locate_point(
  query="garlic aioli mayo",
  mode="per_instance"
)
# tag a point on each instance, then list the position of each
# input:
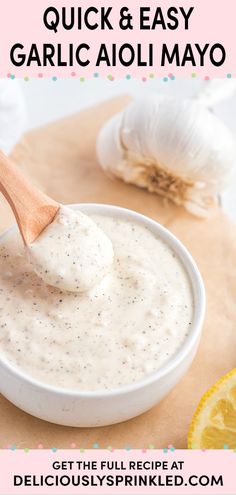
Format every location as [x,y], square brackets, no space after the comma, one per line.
[123,329]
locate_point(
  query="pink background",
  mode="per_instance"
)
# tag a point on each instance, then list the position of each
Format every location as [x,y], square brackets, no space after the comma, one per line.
[39,462]
[209,23]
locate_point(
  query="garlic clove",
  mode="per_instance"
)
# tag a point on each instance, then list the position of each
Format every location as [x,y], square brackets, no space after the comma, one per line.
[196,209]
[176,148]
[216,91]
[12,114]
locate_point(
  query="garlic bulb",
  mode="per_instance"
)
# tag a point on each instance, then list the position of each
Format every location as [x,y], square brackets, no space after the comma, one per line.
[176,148]
[12,114]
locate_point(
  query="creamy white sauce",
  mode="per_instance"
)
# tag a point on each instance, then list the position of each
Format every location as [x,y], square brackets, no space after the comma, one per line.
[72,253]
[122,330]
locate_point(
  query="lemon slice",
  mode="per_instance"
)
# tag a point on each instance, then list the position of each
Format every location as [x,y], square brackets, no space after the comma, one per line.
[214,423]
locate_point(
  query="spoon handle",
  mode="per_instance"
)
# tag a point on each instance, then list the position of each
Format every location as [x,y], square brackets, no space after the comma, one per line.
[33,209]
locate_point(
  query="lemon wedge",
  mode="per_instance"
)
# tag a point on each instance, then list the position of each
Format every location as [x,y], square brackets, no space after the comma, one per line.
[214,423]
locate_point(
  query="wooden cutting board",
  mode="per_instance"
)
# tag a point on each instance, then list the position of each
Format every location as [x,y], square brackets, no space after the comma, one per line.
[61,159]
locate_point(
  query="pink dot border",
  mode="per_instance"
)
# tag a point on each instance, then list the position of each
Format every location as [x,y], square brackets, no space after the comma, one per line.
[150,77]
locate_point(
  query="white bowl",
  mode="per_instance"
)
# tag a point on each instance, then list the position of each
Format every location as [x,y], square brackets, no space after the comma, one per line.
[80,408]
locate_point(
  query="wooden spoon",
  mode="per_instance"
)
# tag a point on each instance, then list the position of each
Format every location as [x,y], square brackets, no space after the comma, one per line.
[33,209]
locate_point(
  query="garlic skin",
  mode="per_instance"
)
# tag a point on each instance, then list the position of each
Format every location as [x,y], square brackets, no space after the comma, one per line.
[176,148]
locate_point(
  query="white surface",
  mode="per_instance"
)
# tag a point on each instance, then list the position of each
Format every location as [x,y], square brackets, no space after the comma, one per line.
[48,100]
[12,115]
